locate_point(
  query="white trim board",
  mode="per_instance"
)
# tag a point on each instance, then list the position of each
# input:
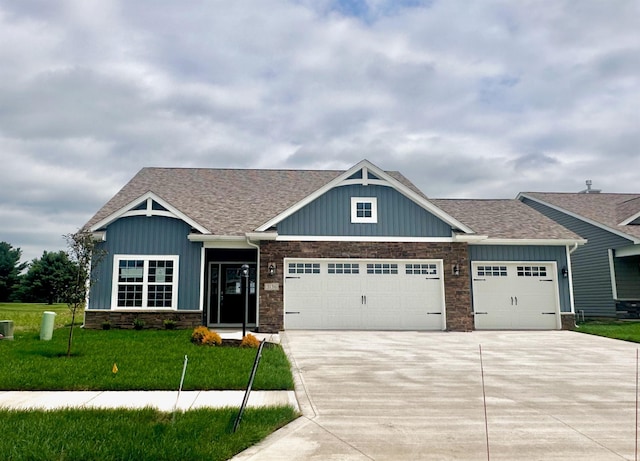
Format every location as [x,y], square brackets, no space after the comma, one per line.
[386,179]
[580,217]
[128,210]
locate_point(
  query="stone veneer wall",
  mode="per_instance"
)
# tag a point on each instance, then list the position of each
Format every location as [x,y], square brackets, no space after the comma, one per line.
[568,321]
[93,319]
[457,288]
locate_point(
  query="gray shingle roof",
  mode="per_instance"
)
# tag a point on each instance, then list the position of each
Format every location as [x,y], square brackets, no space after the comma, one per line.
[504,219]
[604,208]
[225,201]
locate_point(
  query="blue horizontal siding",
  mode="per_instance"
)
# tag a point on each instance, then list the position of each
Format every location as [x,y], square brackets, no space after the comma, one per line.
[150,236]
[514,253]
[590,263]
[330,215]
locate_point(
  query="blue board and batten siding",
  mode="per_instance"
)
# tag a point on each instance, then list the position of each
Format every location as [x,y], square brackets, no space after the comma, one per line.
[524,253]
[330,215]
[153,235]
[592,288]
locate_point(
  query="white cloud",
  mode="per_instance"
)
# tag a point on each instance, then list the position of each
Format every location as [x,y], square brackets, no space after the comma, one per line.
[467,99]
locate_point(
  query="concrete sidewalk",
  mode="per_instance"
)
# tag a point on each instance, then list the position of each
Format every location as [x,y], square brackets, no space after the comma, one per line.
[162,400]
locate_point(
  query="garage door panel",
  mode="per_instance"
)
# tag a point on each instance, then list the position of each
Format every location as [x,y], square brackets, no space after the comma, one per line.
[515,295]
[365,294]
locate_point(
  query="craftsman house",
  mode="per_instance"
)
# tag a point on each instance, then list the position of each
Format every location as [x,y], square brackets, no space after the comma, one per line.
[355,249]
[606,271]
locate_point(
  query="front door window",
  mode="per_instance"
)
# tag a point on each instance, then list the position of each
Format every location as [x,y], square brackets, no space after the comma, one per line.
[227,294]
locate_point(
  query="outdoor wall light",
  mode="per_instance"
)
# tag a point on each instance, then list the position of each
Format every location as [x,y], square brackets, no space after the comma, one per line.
[455,270]
[565,272]
[271,269]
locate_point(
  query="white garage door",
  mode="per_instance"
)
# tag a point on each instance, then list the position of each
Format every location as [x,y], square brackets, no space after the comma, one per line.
[364,294]
[521,295]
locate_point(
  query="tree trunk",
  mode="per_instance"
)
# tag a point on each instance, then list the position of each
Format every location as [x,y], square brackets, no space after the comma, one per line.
[73,320]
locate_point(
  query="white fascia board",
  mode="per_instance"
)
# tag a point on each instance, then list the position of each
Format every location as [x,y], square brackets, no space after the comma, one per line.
[214,238]
[256,236]
[356,238]
[631,250]
[530,242]
[469,238]
[580,217]
[127,210]
[100,236]
[385,180]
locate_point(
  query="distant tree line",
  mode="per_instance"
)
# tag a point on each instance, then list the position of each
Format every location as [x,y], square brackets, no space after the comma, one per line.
[43,280]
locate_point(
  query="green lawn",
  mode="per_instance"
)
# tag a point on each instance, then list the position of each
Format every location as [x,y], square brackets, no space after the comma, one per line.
[617,329]
[27,317]
[134,435]
[146,360]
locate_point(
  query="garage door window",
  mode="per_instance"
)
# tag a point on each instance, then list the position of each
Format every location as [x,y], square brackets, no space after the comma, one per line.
[421,269]
[344,268]
[532,271]
[304,268]
[492,271]
[382,268]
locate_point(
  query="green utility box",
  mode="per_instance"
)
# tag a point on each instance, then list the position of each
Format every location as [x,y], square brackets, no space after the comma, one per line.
[46,329]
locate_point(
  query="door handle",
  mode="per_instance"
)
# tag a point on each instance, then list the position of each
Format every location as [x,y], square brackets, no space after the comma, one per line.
[516,300]
[512,300]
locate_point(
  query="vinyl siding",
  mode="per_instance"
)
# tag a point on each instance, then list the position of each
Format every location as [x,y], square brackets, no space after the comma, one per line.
[528,253]
[330,215]
[150,236]
[590,263]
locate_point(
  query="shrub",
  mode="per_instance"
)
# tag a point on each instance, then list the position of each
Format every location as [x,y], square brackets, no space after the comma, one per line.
[170,324]
[212,339]
[106,325]
[198,334]
[250,341]
[202,335]
[138,323]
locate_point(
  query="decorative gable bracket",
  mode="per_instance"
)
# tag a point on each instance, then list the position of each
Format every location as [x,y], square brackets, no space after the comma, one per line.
[148,205]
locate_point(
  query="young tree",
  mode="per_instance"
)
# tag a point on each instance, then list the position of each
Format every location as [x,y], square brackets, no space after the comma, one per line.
[10,268]
[82,251]
[46,278]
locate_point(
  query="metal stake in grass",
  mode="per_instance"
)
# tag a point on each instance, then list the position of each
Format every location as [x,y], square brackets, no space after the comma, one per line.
[636,448]
[184,371]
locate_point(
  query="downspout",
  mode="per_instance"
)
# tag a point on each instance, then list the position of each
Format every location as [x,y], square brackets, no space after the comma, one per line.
[257,247]
[575,247]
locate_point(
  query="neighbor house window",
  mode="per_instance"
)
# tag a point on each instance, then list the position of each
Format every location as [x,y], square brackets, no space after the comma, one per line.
[364,210]
[145,282]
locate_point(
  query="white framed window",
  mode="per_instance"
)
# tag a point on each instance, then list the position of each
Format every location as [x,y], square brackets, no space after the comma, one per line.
[145,281]
[364,210]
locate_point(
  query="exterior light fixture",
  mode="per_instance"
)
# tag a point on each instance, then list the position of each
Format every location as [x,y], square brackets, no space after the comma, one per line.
[565,272]
[271,269]
[455,269]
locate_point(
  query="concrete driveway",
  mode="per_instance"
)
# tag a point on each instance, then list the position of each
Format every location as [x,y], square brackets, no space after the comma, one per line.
[553,395]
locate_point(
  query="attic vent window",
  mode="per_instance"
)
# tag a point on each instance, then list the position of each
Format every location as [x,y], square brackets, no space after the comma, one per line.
[364,210]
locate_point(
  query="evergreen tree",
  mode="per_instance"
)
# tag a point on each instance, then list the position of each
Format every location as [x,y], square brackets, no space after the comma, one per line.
[10,268]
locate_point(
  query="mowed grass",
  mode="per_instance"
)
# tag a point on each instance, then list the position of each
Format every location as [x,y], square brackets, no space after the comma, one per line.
[145,359]
[616,329]
[139,435]
[28,317]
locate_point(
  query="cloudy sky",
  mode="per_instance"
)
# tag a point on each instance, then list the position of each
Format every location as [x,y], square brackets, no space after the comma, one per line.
[467,99]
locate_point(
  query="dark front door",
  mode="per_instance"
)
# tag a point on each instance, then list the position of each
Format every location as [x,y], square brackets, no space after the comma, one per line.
[228,300]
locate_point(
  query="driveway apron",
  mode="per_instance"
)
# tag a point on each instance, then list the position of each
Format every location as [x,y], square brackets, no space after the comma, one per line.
[551,395]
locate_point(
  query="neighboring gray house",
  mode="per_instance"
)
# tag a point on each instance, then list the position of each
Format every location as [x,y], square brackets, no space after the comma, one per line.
[355,249]
[606,271]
